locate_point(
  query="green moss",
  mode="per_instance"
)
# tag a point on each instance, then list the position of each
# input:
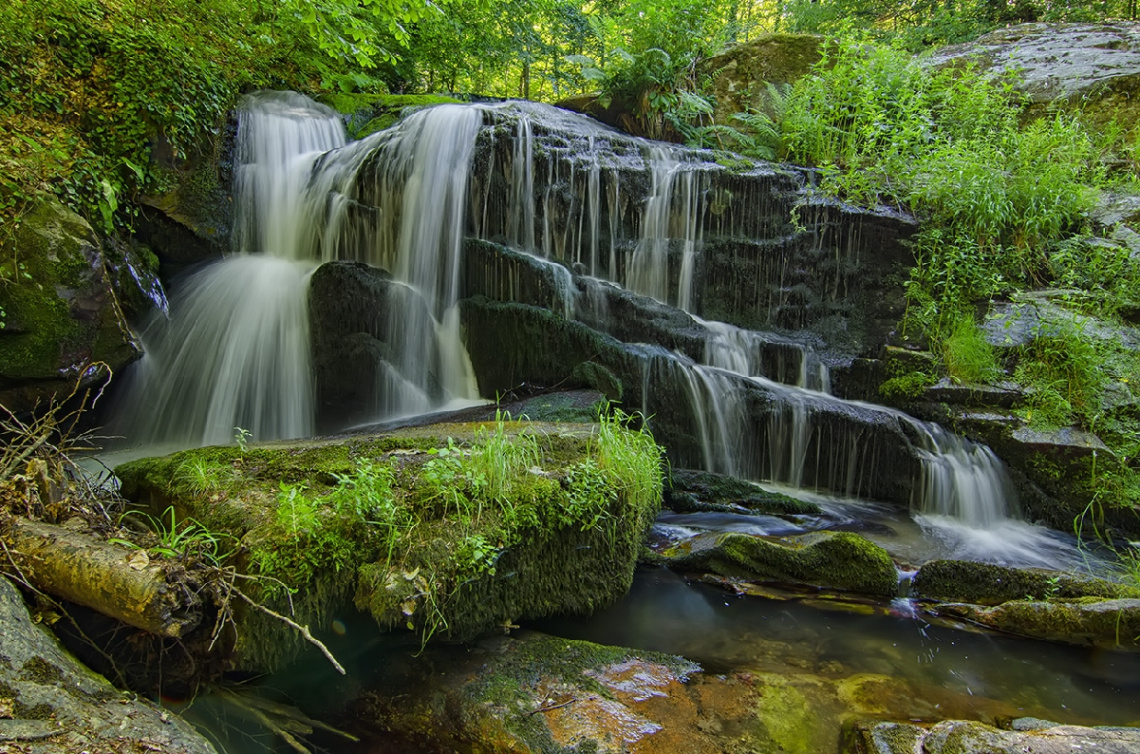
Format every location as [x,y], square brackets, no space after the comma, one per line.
[985,584]
[375,112]
[838,560]
[452,530]
[42,261]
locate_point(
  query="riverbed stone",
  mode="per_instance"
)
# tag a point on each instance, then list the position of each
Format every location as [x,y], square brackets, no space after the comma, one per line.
[958,736]
[988,584]
[1107,623]
[61,315]
[836,560]
[422,545]
[52,704]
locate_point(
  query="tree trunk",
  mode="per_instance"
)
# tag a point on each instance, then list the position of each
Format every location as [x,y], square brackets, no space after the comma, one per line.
[113,580]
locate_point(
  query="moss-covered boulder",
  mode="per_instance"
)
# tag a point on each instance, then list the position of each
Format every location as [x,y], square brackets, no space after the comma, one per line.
[959,736]
[59,310]
[1091,621]
[52,704]
[740,75]
[1095,67]
[987,584]
[449,530]
[835,560]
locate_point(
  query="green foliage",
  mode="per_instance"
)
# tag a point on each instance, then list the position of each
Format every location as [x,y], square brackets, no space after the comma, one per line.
[183,540]
[1061,366]
[99,98]
[966,354]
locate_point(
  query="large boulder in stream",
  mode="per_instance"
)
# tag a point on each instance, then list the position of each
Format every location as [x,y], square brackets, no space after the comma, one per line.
[449,530]
[60,314]
[51,704]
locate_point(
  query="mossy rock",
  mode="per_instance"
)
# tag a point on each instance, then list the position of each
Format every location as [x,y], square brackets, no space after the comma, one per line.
[405,523]
[987,584]
[60,311]
[834,560]
[1107,623]
[689,490]
[740,74]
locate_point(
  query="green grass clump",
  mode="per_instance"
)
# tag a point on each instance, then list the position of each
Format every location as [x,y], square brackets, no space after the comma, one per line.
[966,354]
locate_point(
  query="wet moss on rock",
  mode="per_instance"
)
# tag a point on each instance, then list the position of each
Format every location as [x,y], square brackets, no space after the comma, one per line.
[987,584]
[407,523]
[60,311]
[837,560]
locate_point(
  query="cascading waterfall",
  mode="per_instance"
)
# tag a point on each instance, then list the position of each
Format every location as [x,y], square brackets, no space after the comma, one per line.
[234,351]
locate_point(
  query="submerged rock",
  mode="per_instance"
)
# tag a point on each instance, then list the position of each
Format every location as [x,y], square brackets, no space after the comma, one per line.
[954,736]
[51,704]
[837,560]
[450,530]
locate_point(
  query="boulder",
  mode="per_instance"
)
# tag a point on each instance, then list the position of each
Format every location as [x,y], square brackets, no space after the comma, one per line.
[1106,623]
[60,311]
[835,560]
[51,704]
[449,529]
[988,584]
[1093,66]
[739,76]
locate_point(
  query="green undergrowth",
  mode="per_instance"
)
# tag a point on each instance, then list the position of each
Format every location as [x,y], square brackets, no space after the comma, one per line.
[443,531]
[96,94]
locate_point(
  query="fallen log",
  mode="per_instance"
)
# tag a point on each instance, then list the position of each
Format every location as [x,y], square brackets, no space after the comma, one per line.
[111,579]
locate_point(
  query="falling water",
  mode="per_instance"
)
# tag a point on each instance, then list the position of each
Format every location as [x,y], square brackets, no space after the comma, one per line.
[234,351]
[672,212]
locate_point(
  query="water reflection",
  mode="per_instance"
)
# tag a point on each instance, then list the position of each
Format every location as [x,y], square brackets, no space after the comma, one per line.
[986,674]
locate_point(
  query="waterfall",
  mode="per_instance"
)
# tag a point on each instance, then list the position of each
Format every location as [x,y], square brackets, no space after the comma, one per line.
[235,350]
[672,214]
